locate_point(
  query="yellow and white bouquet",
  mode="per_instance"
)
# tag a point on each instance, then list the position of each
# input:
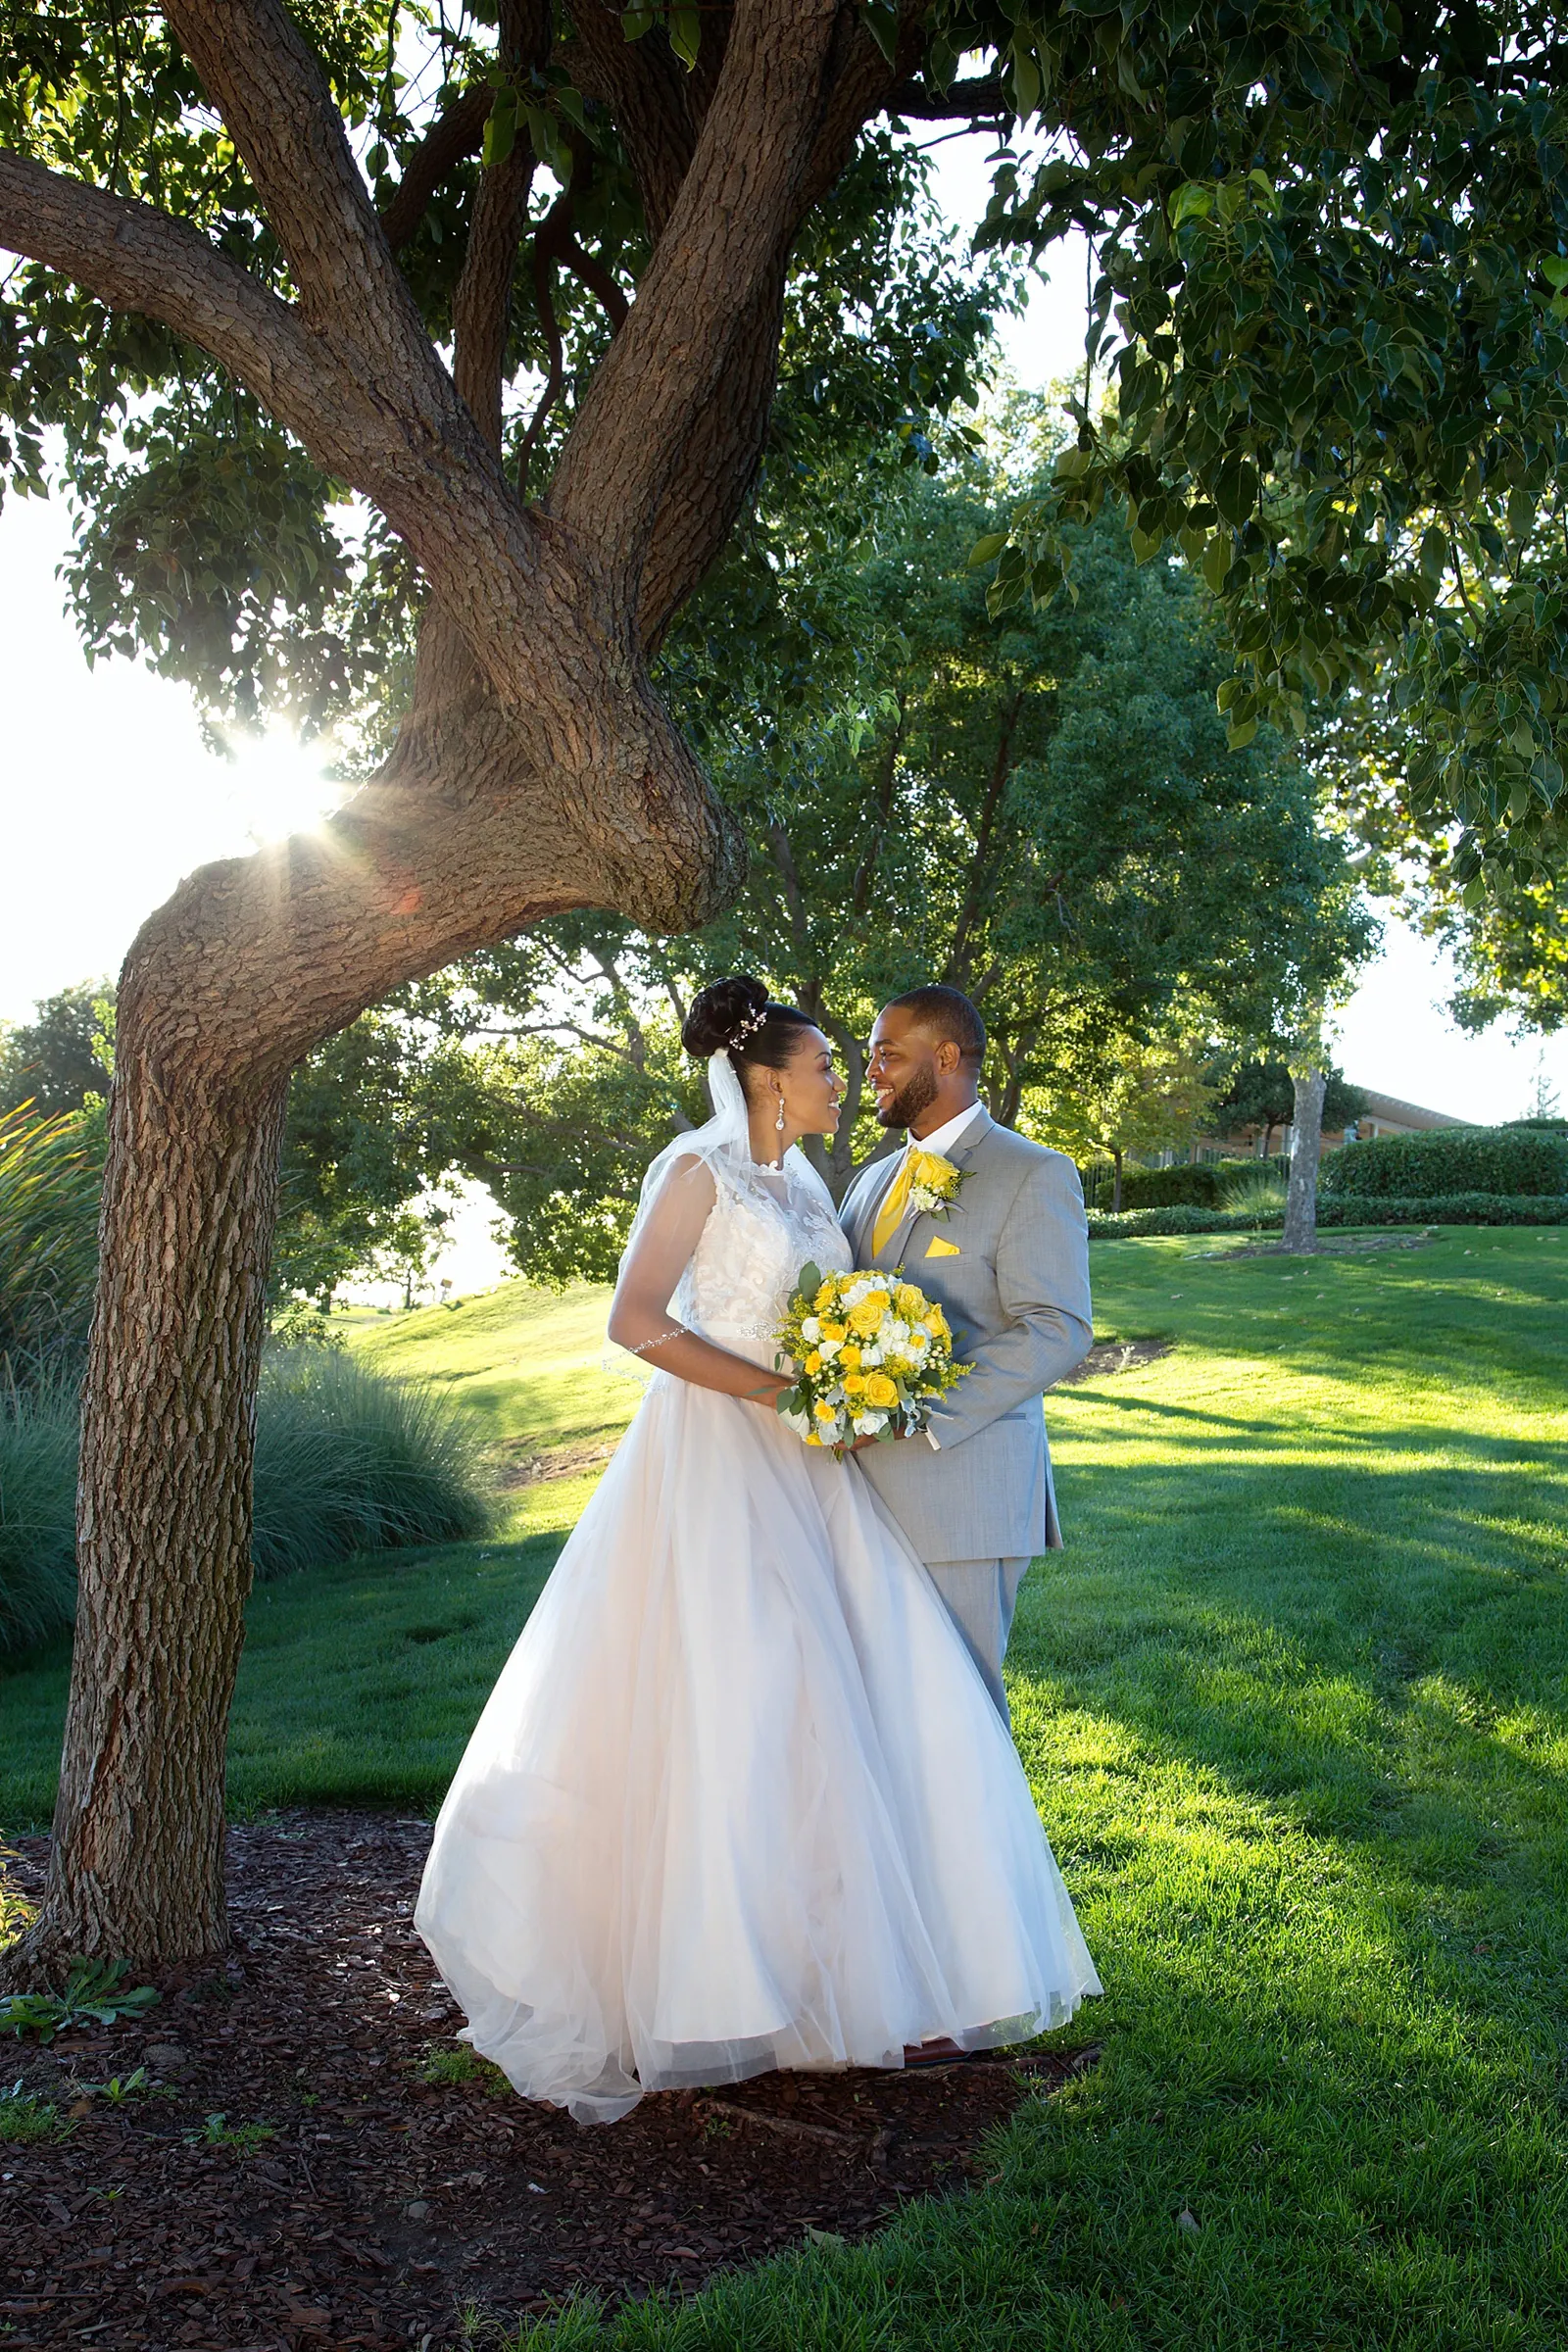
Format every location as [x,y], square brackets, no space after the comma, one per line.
[870,1354]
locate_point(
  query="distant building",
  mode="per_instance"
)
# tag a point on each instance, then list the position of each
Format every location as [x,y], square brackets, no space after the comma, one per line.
[1385,1114]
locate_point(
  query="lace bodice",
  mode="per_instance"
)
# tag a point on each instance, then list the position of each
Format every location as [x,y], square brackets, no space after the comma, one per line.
[766,1224]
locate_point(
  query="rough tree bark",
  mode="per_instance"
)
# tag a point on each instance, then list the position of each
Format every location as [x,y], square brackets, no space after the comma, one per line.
[1306,1149]
[536,772]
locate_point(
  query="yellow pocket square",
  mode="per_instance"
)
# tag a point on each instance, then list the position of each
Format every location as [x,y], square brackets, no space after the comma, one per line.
[941,1249]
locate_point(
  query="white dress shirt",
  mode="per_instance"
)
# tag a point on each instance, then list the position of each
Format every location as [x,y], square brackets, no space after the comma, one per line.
[943,1139]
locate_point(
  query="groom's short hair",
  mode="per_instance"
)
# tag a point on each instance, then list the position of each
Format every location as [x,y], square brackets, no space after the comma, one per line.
[947,1015]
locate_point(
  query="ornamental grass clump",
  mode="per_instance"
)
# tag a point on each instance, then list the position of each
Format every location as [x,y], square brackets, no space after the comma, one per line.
[50,1174]
[347,1460]
[1258,1192]
[37,1512]
[350,1460]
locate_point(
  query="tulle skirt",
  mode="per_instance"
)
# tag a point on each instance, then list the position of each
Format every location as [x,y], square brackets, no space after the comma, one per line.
[739,1799]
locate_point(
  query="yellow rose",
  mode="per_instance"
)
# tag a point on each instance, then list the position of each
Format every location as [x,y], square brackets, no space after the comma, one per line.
[823,1411]
[855,1384]
[929,1167]
[849,1358]
[879,1389]
[834,1331]
[936,1324]
[813,1363]
[812,1437]
[909,1301]
[824,1299]
[867,1316]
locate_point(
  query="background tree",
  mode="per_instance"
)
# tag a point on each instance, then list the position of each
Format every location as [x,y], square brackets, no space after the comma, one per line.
[1261,1095]
[1332,295]
[1155,1095]
[62,1054]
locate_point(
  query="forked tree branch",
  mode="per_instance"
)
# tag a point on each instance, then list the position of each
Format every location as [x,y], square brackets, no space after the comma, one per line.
[456,132]
[273,97]
[481,307]
[722,454]
[135,258]
[734,218]
[647,97]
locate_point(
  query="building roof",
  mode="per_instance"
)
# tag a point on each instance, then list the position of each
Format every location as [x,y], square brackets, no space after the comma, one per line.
[1407,1114]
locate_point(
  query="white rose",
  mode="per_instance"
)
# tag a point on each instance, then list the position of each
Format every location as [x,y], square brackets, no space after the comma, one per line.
[830,1348]
[810,1329]
[798,1422]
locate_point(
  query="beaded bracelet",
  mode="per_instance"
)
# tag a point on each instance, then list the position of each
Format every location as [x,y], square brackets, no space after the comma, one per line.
[680,1332]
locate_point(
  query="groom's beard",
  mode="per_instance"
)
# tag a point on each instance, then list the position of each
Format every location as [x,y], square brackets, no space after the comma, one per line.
[908,1104]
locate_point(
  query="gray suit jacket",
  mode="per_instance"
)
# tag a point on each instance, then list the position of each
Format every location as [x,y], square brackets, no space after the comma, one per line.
[1016,1294]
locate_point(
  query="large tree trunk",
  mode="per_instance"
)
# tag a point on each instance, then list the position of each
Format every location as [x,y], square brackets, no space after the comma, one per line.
[164,1512]
[1306,1149]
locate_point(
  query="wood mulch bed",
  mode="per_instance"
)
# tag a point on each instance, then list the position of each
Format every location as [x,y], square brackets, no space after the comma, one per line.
[385,2205]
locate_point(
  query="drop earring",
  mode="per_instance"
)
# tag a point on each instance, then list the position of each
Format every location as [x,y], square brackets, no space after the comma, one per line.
[779,1124]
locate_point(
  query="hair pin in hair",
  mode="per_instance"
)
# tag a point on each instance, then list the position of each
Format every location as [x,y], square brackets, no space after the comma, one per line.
[753,1021]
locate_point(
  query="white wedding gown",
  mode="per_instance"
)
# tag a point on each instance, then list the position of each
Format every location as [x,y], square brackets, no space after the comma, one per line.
[740,1800]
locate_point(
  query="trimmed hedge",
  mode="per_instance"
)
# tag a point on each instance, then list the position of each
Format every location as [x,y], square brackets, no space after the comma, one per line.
[1452,1160]
[1442,1209]
[1106,1226]
[1449,1208]
[1190,1185]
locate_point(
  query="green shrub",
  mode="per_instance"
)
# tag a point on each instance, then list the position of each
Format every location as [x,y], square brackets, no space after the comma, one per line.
[1450,1160]
[1192,1185]
[1447,1208]
[1443,1209]
[37,1513]
[350,1460]
[347,1460]
[51,1171]
[1134,1221]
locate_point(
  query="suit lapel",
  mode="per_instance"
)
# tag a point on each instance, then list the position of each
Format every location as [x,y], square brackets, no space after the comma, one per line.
[973,1136]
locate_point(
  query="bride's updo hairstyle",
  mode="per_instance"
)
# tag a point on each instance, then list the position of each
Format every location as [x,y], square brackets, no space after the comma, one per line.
[737,1017]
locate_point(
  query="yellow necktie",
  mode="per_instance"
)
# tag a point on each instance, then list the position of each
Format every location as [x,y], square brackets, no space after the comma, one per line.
[891,1214]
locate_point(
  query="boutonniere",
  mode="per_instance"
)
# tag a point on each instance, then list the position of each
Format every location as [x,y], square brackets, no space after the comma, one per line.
[933,1183]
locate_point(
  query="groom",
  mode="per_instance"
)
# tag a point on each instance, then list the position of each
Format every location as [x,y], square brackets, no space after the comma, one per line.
[1009,1263]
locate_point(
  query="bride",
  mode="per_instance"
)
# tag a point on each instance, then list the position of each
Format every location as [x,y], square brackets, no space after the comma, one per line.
[740,1800]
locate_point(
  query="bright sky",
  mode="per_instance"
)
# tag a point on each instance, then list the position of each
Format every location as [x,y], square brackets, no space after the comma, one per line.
[110,795]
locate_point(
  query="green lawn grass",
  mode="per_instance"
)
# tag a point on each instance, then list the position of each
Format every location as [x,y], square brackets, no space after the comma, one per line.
[1295,1705]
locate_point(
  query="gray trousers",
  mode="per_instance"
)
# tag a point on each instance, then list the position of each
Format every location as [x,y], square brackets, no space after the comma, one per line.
[981,1597]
